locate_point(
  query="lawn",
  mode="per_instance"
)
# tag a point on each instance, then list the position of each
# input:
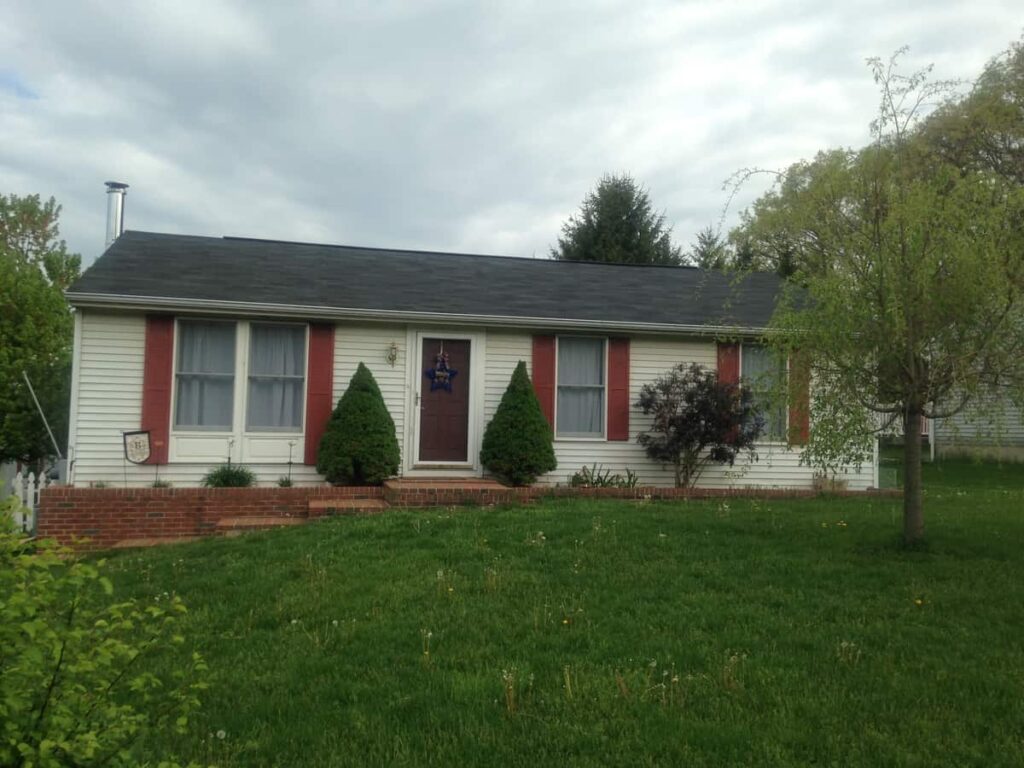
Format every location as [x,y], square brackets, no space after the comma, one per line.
[609,633]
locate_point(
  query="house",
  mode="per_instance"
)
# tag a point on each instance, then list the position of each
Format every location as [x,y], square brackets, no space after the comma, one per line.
[234,348]
[990,427]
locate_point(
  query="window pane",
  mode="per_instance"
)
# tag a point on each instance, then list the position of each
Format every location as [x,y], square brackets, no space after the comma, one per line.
[763,370]
[275,403]
[205,401]
[580,405]
[277,366]
[580,361]
[205,375]
[278,350]
[206,347]
[580,411]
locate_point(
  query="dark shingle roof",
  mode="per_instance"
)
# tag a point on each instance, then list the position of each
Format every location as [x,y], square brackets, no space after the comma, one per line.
[178,267]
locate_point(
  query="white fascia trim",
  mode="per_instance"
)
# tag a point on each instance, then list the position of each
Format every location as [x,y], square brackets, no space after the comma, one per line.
[236,308]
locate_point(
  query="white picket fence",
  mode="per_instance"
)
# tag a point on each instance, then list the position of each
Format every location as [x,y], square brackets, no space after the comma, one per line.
[27,488]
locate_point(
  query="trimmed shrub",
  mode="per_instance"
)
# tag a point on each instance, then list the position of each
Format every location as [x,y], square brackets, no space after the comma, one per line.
[229,476]
[698,420]
[359,446]
[517,443]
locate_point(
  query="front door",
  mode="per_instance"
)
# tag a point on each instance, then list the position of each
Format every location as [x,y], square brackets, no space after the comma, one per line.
[444,402]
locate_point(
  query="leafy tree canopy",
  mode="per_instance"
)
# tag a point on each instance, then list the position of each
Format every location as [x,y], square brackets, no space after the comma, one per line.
[617,224]
[36,326]
[913,265]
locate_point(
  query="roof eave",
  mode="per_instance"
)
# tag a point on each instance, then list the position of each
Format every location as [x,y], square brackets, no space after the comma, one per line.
[218,307]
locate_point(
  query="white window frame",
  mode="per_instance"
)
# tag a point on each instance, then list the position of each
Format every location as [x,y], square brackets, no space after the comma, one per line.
[577,438]
[198,428]
[785,426]
[211,446]
[305,376]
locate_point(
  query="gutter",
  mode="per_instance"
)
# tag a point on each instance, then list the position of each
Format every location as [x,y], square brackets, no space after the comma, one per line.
[235,308]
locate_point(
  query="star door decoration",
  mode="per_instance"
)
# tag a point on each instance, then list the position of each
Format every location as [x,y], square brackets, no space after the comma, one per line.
[441,374]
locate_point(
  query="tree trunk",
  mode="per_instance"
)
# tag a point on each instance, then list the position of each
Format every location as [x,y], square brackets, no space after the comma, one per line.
[913,514]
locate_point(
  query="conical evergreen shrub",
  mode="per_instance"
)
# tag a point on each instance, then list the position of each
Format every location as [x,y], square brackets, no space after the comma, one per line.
[359,446]
[517,443]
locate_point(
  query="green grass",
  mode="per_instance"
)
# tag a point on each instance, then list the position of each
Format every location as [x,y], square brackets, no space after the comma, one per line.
[960,473]
[609,633]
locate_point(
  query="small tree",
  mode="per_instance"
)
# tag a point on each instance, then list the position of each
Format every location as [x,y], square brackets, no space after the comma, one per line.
[709,250]
[359,446]
[84,678]
[698,420]
[517,443]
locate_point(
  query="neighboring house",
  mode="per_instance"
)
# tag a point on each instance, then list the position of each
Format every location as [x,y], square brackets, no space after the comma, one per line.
[229,347]
[990,427]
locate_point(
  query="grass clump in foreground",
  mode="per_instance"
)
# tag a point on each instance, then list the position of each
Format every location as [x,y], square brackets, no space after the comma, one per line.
[587,632]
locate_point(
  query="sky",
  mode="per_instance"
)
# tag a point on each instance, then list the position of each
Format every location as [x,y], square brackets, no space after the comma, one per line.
[453,126]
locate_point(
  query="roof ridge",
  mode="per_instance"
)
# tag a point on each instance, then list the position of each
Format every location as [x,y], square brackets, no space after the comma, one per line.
[416,251]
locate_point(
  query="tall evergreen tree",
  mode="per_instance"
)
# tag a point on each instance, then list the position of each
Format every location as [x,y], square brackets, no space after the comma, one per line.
[617,224]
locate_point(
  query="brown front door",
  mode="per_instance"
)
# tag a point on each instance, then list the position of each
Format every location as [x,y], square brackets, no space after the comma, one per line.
[444,404]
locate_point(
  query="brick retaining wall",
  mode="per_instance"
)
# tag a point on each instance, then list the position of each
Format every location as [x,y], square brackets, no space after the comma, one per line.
[107,516]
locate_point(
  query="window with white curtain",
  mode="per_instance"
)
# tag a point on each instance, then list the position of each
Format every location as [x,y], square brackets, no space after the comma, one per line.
[277,377]
[581,387]
[764,370]
[205,375]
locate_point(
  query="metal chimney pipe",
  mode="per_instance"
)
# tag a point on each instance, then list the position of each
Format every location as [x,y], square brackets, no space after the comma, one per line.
[116,192]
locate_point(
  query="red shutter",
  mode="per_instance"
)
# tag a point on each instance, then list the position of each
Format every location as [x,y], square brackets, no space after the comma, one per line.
[618,389]
[799,399]
[319,386]
[544,375]
[157,374]
[729,362]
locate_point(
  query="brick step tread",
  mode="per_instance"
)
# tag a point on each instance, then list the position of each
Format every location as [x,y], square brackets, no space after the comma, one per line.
[445,484]
[255,522]
[152,541]
[317,504]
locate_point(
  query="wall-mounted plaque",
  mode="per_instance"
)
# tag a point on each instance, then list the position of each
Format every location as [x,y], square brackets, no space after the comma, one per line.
[136,447]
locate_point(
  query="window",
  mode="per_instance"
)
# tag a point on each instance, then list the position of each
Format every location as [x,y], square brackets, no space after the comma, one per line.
[581,387]
[205,376]
[277,377]
[764,372]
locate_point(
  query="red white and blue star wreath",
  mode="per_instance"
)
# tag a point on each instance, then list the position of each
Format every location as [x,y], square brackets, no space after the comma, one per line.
[441,374]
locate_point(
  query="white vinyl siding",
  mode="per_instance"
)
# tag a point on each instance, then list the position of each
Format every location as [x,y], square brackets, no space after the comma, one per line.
[651,357]
[109,402]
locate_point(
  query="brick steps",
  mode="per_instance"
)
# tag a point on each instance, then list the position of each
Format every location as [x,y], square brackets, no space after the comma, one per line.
[234,526]
[319,507]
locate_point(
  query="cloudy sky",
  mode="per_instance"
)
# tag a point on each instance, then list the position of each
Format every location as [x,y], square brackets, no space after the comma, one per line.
[441,125]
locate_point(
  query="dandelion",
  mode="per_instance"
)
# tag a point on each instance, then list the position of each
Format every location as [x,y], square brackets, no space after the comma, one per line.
[334,623]
[295,621]
[918,601]
[565,621]
[221,734]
